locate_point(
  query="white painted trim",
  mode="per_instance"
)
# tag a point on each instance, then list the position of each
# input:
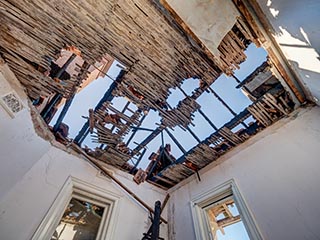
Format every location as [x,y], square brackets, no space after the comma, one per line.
[200,221]
[76,188]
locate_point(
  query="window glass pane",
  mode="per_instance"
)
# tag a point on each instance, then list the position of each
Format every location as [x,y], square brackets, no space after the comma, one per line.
[80,221]
[225,221]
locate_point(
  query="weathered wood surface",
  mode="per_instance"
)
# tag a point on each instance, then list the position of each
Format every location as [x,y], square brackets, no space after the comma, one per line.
[158,56]
[272,106]
[134,32]
[233,45]
[182,115]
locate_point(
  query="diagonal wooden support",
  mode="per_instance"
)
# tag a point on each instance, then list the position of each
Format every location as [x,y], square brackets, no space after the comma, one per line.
[106,97]
[106,173]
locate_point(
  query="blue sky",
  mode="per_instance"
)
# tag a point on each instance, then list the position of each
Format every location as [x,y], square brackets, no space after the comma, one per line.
[235,231]
[217,113]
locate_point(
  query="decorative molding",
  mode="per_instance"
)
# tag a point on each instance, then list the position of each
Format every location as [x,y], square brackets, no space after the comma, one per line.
[74,187]
[201,201]
[11,103]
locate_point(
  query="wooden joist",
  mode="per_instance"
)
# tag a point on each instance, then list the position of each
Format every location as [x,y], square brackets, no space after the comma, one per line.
[134,32]
[233,45]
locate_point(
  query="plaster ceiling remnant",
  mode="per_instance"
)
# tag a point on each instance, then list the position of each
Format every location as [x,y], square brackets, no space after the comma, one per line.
[158,53]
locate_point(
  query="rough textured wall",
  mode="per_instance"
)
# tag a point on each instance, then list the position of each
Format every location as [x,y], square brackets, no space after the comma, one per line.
[277,175]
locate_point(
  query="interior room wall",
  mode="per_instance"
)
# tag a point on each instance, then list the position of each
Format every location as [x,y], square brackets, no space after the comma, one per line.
[33,172]
[277,174]
[295,26]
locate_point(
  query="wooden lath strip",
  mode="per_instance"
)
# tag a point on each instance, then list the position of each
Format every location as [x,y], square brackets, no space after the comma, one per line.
[132,36]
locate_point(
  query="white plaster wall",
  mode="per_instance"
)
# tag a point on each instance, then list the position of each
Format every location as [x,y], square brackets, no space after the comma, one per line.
[33,172]
[278,175]
[20,147]
[297,31]
[23,208]
[210,20]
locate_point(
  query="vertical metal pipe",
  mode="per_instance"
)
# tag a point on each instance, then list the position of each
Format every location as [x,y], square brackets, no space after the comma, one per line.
[162,139]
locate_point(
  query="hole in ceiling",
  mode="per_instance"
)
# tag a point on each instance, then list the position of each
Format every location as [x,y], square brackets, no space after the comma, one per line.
[176,95]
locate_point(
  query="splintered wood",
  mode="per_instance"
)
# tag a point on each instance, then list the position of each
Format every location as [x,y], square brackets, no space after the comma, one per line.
[269,108]
[134,32]
[158,55]
[233,45]
[182,115]
[107,114]
[36,83]
[220,216]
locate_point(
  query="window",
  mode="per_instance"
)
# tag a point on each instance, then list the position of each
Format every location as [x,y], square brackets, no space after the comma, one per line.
[81,220]
[80,211]
[221,214]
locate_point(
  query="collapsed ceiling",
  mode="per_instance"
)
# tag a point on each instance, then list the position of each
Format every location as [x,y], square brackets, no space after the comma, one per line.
[158,54]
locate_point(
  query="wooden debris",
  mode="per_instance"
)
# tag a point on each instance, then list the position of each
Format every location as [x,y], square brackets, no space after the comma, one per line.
[268,109]
[108,174]
[157,55]
[182,115]
[140,176]
[228,135]
[233,45]
[134,32]
[265,110]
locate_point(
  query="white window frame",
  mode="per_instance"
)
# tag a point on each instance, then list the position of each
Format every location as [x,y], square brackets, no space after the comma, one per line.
[201,201]
[75,188]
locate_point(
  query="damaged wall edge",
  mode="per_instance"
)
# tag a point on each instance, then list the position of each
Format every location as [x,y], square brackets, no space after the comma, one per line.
[193,38]
[252,12]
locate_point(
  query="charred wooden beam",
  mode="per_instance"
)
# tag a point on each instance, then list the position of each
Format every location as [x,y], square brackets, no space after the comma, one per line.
[225,104]
[58,96]
[134,132]
[207,119]
[231,124]
[108,96]
[70,99]
[175,141]
[251,11]
[193,134]
[139,160]
[148,139]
